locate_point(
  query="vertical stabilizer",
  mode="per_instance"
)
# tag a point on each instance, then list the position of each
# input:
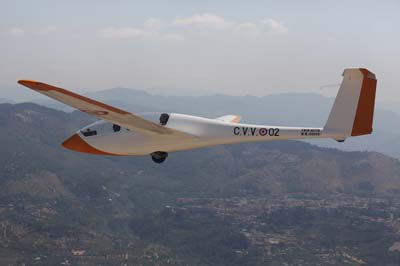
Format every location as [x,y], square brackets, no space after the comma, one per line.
[353,111]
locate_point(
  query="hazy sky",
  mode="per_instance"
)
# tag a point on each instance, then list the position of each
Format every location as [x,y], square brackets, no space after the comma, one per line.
[231,47]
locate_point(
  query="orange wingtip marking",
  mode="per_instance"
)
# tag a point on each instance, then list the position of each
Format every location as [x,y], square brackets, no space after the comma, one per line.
[76,143]
[236,119]
[366,103]
[39,86]
[26,81]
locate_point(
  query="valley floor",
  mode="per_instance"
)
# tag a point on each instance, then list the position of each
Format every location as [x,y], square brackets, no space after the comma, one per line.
[277,230]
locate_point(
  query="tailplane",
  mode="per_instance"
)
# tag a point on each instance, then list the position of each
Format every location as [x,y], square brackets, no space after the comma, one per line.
[353,111]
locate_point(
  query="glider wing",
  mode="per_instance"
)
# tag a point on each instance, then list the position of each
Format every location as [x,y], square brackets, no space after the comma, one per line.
[101,110]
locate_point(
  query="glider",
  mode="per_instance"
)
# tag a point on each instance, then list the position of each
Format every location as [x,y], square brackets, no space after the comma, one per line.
[122,133]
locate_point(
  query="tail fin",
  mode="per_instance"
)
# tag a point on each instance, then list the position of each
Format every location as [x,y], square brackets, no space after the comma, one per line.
[353,111]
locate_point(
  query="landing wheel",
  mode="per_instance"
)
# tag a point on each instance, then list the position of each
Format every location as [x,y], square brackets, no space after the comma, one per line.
[159,156]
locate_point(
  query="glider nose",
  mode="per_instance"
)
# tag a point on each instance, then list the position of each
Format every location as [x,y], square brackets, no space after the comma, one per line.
[76,143]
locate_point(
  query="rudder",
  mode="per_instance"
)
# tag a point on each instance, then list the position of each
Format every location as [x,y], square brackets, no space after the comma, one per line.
[366,105]
[353,110]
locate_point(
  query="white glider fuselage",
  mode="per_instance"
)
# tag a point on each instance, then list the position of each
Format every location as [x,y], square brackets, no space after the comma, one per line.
[202,132]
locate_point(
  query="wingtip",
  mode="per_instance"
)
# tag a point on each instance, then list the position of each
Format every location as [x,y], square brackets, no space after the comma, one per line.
[35,85]
[27,82]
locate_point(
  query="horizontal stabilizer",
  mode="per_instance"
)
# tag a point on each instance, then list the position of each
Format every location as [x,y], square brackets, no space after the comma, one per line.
[229,118]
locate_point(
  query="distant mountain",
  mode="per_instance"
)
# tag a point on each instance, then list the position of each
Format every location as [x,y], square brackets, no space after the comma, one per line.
[57,204]
[3,100]
[270,108]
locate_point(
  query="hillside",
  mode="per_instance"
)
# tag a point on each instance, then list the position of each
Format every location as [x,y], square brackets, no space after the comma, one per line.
[203,207]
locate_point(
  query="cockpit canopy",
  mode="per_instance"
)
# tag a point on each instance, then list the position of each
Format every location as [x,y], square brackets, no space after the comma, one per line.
[101,128]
